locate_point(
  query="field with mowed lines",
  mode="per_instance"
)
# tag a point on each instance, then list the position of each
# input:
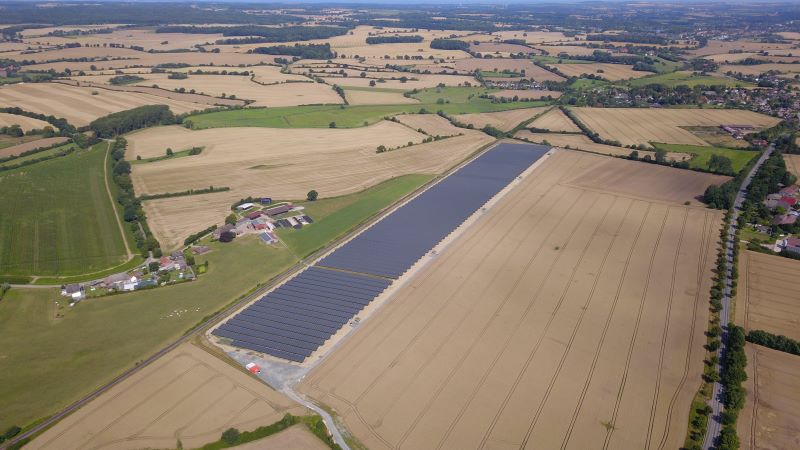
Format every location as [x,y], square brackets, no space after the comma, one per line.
[57,217]
[571,315]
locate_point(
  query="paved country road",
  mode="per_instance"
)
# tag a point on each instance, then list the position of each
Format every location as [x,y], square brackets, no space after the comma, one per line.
[715,419]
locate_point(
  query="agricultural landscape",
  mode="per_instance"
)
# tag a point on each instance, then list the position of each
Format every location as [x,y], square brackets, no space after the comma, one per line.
[569,225]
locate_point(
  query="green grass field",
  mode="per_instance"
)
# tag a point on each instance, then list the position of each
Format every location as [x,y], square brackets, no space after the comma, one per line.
[333,217]
[454,100]
[739,158]
[673,79]
[585,83]
[42,154]
[58,218]
[48,362]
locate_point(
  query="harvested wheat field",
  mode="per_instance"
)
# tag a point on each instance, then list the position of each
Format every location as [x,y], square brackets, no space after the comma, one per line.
[78,104]
[142,59]
[769,419]
[280,163]
[793,164]
[26,123]
[392,81]
[526,94]
[147,39]
[761,68]
[187,394]
[555,120]
[767,296]
[492,48]
[497,64]
[571,50]
[359,97]
[611,72]
[533,37]
[31,145]
[430,124]
[503,120]
[297,437]
[99,81]
[581,142]
[399,51]
[564,318]
[717,47]
[643,126]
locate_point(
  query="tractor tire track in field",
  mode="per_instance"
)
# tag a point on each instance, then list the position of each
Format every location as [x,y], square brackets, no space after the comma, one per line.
[702,260]
[601,341]
[755,399]
[632,344]
[535,348]
[665,334]
[577,325]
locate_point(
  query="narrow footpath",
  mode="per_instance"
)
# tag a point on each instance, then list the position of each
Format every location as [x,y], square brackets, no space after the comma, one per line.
[715,419]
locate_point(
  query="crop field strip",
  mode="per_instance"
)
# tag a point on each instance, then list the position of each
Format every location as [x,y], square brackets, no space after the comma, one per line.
[767,299]
[503,300]
[295,319]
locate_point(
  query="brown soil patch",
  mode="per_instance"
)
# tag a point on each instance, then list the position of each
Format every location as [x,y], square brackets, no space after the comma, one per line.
[767,291]
[560,310]
[769,419]
[430,124]
[32,145]
[78,105]
[555,120]
[187,394]
[645,125]
[611,72]
[503,120]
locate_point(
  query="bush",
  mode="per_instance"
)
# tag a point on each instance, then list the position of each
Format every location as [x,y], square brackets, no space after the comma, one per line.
[231,435]
[227,236]
[312,195]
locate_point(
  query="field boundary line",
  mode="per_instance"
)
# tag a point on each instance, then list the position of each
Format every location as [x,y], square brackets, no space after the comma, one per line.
[577,325]
[665,333]
[755,399]
[114,203]
[702,261]
[541,337]
[635,332]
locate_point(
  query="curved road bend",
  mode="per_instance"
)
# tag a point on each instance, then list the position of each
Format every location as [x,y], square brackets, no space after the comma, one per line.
[715,419]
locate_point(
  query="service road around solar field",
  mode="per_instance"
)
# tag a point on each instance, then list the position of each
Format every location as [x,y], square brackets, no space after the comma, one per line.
[564,317]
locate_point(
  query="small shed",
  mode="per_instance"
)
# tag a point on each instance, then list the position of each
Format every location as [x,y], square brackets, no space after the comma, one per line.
[245,206]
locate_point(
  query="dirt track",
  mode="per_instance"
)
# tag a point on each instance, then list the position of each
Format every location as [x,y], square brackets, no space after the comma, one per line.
[188,395]
[566,317]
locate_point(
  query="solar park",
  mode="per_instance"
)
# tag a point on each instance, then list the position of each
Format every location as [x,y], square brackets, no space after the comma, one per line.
[294,320]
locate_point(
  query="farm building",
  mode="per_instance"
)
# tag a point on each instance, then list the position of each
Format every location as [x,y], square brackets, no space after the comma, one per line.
[245,206]
[280,209]
[791,245]
[73,291]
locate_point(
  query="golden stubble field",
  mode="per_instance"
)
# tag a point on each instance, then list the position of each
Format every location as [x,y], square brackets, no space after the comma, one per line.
[611,72]
[430,124]
[496,64]
[81,105]
[187,395]
[581,142]
[502,120]
[767,299]
[26,123]
[279,163]
[555,120]
[769,419]
[642,126]
[570,316]
[792,164]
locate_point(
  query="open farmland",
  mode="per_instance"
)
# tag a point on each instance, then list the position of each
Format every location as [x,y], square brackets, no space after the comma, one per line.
[143,59]
[714,47]
[430,124]
[27,146]
[581,142]
[632,126]
[79,105]
[376,97]
[769,418]
[189,394]
[26,123]
[758,69]
[565,317]
[526,94]
[498,65]
[279,163]
[392,80]
[611,72]
[58,218]
[555,120]
[766,295]
[792,163]
[146,38]
[503,120]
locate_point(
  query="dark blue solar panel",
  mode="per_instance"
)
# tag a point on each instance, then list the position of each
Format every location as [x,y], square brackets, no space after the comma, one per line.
[292,321]
[393,245]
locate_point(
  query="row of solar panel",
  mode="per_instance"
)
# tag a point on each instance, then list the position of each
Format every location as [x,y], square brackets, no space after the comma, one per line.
[299,316]
[295,319]
[393,245]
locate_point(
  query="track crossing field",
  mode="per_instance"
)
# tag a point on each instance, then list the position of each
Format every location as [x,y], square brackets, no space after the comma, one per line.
[570,316]
[68,233]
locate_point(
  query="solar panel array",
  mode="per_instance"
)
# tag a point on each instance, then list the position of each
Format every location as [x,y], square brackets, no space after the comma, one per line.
[393,245]
[294,320]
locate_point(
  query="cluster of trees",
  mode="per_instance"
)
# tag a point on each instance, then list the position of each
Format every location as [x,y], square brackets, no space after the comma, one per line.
[393,39]
[120,80]
[131,206]
[721,164]
[769,179]
[303,51]
[132,119]
[195,237]
[449,44]
[774,341]
[178,76]
[64,128]
[636,38]
[733,375]
[208,190]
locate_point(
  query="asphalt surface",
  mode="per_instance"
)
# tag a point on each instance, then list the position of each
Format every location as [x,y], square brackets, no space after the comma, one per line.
[715,419]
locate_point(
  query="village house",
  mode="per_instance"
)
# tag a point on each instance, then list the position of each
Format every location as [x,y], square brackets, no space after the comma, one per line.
[73,291]
[791,245]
